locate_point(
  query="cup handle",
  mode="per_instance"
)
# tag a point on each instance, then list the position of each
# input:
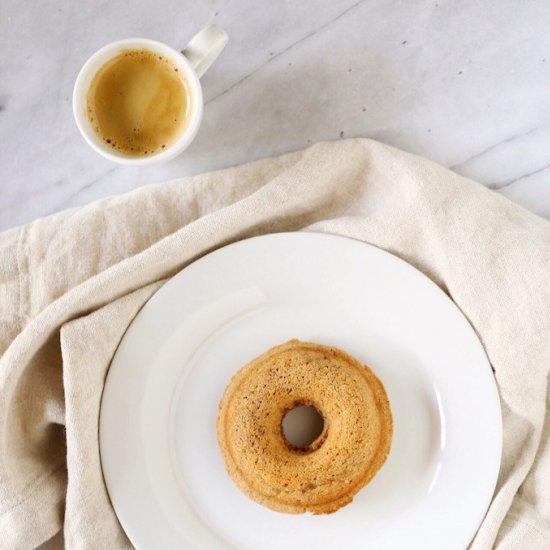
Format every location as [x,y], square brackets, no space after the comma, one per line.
[204,48]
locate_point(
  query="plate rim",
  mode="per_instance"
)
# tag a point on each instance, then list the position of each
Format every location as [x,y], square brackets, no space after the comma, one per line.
[322,235]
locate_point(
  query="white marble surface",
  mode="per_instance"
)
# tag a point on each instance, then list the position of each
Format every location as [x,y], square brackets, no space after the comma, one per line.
[464,83]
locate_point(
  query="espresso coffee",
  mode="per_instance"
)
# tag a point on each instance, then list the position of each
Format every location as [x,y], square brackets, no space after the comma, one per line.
[139,103]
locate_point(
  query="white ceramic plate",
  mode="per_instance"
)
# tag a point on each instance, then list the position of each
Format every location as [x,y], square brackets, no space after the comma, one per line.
[160,458]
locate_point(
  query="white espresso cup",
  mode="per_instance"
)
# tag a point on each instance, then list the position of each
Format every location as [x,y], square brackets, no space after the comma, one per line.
[193,61]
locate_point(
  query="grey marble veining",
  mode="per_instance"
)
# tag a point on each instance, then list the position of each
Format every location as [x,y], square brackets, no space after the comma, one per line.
[466,84]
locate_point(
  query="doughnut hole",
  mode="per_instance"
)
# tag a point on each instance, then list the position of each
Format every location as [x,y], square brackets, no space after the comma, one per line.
[303,427]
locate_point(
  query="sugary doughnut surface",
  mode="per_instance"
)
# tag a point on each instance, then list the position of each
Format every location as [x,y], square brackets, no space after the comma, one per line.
[352,447]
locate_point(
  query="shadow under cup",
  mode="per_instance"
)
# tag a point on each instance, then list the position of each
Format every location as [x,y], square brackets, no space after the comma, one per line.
[98,61]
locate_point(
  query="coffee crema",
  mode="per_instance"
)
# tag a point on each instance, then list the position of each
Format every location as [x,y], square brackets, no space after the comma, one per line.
[139,103]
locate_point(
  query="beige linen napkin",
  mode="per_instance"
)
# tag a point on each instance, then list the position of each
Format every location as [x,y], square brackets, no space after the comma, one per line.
[71,283]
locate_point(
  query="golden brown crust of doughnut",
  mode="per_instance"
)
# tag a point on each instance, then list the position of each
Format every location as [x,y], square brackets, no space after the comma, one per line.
[353,446]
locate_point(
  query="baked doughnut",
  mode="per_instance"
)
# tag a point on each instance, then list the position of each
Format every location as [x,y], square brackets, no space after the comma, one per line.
[326,474]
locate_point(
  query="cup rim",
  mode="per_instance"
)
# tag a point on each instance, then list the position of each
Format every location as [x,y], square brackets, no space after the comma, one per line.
[90,68]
